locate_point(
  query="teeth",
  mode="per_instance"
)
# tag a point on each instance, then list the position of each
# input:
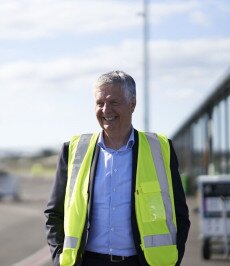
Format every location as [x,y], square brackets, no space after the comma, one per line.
[109,118]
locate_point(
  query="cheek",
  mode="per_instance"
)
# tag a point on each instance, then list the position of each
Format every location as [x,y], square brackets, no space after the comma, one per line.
[97,112]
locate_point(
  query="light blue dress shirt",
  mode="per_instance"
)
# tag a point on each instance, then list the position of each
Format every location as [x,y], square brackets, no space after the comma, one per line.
[111,230]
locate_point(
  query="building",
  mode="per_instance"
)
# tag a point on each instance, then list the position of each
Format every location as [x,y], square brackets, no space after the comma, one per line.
[202,143]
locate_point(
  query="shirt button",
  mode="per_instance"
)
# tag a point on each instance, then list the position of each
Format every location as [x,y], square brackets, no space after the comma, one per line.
[114,190]
[110,249]
[115,170]
[112,229]
[113,208]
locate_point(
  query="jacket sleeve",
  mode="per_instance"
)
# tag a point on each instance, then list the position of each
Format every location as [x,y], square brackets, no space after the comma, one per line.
[54,211]
[181,208]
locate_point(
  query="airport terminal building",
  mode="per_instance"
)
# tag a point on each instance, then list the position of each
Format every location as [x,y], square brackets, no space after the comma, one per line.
[202,143]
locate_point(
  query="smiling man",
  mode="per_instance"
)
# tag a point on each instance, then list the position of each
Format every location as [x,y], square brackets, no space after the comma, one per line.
[117,197]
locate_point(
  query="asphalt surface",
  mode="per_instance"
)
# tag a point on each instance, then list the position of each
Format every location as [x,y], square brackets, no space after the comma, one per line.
[22,233]
[22,227]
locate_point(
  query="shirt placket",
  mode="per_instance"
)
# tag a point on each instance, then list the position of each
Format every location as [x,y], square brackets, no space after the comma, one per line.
[112,207]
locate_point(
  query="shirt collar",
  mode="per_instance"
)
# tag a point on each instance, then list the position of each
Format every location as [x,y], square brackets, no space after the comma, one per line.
[128,145]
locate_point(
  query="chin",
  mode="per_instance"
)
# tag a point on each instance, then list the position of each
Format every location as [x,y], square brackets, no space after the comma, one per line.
[108,129]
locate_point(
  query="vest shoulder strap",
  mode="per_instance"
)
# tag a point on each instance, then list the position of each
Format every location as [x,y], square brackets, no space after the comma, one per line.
[77,150]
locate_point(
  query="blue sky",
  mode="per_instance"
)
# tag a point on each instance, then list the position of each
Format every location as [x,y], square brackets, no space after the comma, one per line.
[51,53]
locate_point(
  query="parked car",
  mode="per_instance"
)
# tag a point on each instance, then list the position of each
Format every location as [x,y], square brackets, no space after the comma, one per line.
[9,186]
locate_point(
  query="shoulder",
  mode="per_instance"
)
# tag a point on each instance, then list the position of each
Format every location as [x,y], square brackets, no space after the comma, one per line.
[63,153]
[65,146]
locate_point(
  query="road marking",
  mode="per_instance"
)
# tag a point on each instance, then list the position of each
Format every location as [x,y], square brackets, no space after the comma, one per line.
[39,258]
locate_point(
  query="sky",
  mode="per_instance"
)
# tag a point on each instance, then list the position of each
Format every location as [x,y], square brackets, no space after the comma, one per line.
[52,52]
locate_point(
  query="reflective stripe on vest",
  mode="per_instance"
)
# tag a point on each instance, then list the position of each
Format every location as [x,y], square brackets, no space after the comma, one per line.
[83,144]
[161,240]
[70,242]
[81,150]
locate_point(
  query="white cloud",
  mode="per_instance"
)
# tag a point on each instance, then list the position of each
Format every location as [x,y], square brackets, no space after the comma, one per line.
[45,92]
[200,18]
[186,60]
[194,53]
[46,18]
[162,11]
[25,19]
[180,94]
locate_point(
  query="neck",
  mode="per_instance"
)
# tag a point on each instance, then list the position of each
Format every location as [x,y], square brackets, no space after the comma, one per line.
[116,141]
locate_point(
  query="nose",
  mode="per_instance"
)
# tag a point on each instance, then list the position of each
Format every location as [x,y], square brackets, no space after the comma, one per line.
[106,108]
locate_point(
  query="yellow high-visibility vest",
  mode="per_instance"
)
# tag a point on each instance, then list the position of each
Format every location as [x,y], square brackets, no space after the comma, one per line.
[154,200]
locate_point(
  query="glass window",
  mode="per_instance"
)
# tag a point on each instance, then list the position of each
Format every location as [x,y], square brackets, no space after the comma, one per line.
[228,123]
[222,128]
[215,131]
[228,133]
[216,139]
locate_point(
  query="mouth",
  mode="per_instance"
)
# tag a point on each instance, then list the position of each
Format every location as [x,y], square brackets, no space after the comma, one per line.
[109,118]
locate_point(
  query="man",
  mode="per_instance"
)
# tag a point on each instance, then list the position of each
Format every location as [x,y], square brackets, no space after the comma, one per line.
[117,198]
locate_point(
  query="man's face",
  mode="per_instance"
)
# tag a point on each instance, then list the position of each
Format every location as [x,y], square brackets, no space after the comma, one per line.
[113,110]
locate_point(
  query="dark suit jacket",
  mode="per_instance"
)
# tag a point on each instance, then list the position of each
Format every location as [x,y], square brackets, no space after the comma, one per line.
[55,208]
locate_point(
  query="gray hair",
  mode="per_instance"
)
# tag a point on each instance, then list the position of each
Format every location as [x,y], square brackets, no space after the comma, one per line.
[125,81]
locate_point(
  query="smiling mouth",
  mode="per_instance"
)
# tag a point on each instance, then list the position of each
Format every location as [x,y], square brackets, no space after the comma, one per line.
[109,118]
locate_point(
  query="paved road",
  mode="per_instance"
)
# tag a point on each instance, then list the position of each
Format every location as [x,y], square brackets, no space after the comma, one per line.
[22,236]
[22,226]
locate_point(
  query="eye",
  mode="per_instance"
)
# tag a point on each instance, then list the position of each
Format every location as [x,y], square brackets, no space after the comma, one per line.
[115,103]
[100,104]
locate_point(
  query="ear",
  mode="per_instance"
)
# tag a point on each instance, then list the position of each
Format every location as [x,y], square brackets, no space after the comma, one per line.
[133,103]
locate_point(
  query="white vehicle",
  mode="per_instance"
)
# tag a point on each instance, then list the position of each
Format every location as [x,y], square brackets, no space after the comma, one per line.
[9,186]
[214,206]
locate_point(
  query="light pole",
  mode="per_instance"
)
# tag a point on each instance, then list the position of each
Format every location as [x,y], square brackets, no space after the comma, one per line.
[146,64]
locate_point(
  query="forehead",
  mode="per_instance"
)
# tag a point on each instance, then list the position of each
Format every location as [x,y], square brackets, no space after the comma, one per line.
[109,91]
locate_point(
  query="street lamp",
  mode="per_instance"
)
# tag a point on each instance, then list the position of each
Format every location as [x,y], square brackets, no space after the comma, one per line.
[146,64]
